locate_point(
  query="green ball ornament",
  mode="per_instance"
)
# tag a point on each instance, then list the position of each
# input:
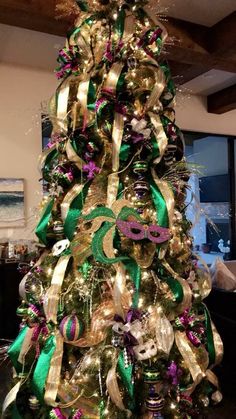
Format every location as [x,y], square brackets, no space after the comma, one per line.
[151,376]
[71,328]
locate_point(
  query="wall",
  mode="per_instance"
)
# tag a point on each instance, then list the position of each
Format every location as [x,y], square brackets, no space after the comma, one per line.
[22,91]
[192,115]
[26,77]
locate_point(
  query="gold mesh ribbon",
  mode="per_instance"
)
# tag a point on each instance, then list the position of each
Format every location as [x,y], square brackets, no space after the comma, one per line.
[218,344]
[167,194]
[196,359]
[53,379]
[53,293]
[70,196]
[113,389]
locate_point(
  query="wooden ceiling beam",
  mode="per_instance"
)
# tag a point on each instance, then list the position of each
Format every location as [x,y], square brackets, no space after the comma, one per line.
[183,73]
[222,101]
[221,38]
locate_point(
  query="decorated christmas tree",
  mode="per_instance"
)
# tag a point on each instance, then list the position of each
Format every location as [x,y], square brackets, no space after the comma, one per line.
[113,319]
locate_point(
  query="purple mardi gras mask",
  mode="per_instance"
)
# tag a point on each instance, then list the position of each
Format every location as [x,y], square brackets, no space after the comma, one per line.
[137,231]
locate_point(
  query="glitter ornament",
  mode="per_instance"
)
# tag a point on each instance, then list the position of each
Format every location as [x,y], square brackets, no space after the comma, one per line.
[71,328]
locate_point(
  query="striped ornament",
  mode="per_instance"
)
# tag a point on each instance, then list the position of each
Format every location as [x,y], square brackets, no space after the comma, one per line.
[71,328]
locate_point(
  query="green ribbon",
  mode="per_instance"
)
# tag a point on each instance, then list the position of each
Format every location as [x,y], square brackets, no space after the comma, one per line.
[15,348]
[126,375]
[42,368]
[124,152]
[176,288]
[74,212]
[135,272]
[210,339]
[160,204]
[120,23]
[15,413]
[42,227]
[155,148]
[47,164]
[91,100]
[82,5]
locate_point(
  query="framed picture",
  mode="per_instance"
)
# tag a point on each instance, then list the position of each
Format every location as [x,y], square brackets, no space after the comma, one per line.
[12,211]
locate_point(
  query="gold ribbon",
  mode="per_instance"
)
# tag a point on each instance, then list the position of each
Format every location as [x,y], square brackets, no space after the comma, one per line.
[53,379]
[196,359]
[112,188]
[62,105]
[113,389]
[163,330]
[218,344]
[153,18]
[160,135]
[157,90]
[26,345]
[11,397]
[113,77]
[205,284]
[53,293]
[24,279]
[113,179]
[70,196]
[73,156]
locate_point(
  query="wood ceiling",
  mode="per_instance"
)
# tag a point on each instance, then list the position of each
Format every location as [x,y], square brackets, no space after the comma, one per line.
[192,51]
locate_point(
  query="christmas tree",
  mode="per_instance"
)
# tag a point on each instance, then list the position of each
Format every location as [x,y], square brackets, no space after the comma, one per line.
[113,319]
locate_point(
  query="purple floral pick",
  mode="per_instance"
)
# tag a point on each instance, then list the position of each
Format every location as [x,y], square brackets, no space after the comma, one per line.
[174,373]
[91,169]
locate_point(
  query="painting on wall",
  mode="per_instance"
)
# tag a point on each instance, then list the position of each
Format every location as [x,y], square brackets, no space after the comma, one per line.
[12,211]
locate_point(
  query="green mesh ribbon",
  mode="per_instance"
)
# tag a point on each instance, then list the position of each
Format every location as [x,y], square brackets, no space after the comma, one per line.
[42,227]
[15,348]
[124,152]
[74,212]
[42,368]
[15,413]
[210,339]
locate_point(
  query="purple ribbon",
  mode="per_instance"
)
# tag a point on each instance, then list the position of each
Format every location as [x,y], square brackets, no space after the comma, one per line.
[174,373]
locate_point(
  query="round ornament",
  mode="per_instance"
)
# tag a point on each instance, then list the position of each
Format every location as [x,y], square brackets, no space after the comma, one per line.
[58,228]
[151,376]
[71,328]
[154,403]
[34,403]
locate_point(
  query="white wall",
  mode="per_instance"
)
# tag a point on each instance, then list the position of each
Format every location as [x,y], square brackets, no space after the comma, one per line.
[22,91]
[27,79]
[192,115]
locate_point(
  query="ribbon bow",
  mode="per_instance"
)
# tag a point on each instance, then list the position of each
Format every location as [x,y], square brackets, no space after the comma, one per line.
[193,329]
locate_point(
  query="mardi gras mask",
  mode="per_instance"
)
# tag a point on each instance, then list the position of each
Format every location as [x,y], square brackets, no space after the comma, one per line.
[146,350]
[137,231]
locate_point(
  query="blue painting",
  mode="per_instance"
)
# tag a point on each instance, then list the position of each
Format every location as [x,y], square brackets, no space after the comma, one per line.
[12,212]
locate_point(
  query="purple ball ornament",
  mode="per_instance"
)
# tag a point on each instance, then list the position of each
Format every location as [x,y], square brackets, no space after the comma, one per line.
[71,328]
